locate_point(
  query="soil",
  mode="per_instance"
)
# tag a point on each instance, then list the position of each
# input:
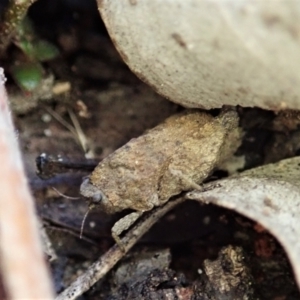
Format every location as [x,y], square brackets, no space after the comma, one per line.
[112,105]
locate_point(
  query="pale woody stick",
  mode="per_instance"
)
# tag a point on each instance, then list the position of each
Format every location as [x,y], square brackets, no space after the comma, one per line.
[23,264]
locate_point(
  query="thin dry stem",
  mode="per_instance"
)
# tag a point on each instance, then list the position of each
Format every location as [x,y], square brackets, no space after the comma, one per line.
[81,136]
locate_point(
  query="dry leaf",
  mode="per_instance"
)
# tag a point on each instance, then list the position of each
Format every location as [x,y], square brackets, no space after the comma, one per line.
[270,195]
[210,53]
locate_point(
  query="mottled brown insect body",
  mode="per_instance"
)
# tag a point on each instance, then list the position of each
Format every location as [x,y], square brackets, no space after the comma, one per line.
[173,157]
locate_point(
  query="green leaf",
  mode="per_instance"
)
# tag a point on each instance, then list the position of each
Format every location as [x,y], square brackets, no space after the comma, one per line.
[44,50]
[27,75]
[25,28]
[27,47]
[31,45]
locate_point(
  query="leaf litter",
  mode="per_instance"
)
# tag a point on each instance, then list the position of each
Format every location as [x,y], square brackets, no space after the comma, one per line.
[121,108]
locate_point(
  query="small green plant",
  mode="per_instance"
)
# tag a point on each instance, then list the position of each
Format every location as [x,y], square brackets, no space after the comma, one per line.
[28,72]
[16,28]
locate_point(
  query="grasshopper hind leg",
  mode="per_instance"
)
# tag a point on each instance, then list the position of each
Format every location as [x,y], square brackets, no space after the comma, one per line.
[122,225]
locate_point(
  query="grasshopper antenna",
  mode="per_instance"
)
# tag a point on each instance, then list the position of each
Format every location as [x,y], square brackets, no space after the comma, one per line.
[65,196]
[91,206]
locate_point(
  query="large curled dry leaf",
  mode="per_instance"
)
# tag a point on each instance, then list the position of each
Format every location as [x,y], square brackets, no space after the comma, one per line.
[209,53]
[269,195]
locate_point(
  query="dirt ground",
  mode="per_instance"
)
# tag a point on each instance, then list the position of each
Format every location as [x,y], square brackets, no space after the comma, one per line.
[112,106]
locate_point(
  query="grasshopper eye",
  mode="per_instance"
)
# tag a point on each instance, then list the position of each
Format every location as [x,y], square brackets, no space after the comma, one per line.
[97,197]
[88,190]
